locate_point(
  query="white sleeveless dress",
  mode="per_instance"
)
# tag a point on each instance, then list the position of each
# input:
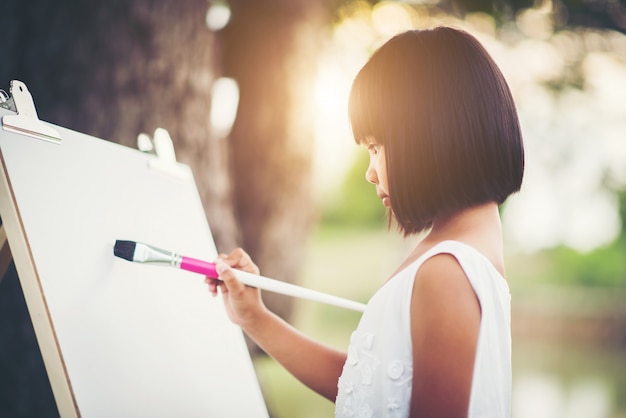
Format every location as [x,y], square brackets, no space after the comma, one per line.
[377,376]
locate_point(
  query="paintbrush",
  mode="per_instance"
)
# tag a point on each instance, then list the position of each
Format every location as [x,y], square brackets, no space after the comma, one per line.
[144,253]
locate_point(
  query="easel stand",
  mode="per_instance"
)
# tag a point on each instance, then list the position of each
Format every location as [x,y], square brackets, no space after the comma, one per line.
[5,252]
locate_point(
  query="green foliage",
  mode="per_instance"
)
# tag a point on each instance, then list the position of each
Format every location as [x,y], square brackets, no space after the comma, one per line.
[605,267]
[357,204]
[601,267]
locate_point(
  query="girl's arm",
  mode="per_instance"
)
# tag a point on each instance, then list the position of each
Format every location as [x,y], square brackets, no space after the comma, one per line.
[445,320]
[314,364]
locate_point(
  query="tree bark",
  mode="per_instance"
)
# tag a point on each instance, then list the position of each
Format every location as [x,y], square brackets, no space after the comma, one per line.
[269,47]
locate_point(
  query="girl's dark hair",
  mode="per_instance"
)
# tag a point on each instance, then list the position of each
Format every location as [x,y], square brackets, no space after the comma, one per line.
[444,112]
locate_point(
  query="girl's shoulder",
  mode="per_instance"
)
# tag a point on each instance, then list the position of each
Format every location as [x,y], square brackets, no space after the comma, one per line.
[425,252]
[452,255]
[440,279]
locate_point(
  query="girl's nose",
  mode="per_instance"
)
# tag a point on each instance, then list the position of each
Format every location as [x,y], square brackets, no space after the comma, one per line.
[370,175]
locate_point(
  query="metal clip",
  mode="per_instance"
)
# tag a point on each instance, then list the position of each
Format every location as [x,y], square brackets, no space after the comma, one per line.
[6,102]
[26,121]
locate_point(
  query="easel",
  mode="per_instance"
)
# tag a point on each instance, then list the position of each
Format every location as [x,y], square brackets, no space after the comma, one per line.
[5,252]
[117,339]
[26,122]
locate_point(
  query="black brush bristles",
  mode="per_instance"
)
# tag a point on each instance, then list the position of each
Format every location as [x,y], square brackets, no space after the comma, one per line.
[125,249]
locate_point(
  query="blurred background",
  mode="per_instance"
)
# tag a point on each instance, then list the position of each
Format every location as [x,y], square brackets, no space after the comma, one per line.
[254,95]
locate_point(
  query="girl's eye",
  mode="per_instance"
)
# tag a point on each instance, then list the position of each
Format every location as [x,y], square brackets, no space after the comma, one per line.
[372,149]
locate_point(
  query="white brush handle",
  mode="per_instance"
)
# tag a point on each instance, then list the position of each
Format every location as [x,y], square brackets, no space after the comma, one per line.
[288,289]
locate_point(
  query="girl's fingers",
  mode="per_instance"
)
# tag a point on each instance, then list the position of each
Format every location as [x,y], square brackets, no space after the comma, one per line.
[213,285]
[228,277]
[239,259]
[228,282]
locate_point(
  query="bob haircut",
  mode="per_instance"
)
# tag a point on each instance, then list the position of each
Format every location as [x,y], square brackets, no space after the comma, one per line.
[443,111]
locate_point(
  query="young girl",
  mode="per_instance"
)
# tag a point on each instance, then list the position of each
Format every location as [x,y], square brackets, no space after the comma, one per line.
[445,147]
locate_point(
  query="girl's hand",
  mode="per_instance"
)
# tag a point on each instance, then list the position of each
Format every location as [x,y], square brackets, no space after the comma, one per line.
[243,303]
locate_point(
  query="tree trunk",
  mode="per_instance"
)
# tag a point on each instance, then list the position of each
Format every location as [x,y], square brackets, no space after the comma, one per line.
[270,48]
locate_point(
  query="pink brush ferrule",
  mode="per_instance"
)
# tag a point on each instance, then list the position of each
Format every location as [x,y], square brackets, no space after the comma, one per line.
[199,266]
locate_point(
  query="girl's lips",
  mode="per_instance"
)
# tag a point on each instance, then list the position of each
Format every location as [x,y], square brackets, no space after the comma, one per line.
[386,200]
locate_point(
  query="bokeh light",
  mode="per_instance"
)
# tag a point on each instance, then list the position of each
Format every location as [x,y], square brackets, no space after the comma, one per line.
[218,16]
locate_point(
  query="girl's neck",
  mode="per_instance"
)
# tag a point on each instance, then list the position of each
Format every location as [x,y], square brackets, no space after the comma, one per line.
[472,223]
[479,227]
